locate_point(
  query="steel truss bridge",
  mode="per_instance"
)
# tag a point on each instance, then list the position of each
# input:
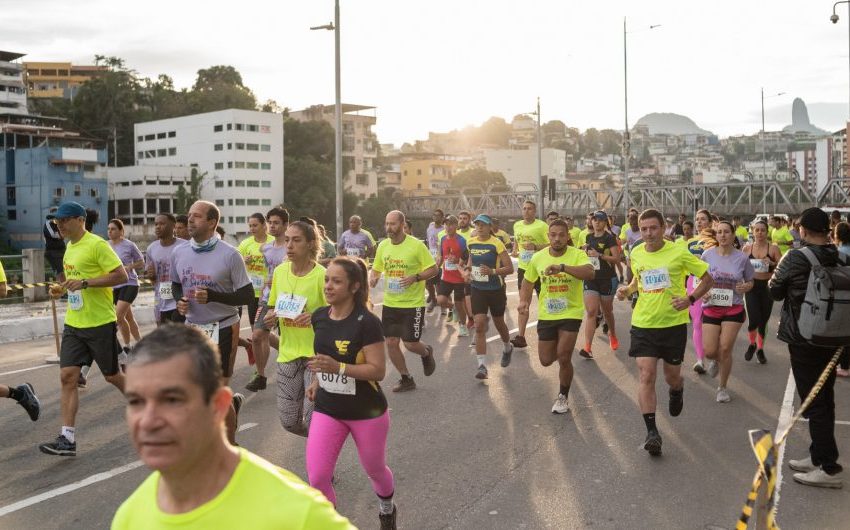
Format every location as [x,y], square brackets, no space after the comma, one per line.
[731,198]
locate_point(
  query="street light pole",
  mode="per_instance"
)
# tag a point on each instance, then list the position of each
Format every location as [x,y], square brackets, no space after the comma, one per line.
[626,144]
[764,154]
[540,196]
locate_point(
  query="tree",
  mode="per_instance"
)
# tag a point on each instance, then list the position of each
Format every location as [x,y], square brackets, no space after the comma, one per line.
[184,198]
[612,142]
[477,177]
[314,139]
[590,143]
[495,131]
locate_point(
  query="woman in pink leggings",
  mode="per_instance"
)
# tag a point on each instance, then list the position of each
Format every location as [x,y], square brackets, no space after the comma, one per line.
[349,363]
[696,245]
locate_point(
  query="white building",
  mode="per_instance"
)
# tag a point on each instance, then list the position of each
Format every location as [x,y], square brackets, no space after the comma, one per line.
[519,164]
[13,92]
[238,153]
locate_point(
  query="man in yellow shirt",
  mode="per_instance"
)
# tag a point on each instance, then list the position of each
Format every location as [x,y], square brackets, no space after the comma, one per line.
[530,235]
[176,407]
[660,318]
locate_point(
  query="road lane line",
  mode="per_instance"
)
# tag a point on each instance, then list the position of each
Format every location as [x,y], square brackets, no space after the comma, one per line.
[94,479]
[785,415]
[28,369]
[515,330]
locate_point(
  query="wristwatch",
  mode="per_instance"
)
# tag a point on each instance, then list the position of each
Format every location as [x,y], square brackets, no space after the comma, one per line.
[417,277]
[84,284]
[692,299]
[562,267]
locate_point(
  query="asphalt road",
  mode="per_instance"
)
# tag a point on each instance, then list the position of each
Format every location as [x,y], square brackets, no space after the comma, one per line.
[465,454]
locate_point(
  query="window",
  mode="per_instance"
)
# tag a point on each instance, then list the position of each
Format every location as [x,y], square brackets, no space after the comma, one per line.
[10,196]
[229,183]
[265,183]
[172,134]
[265,165]
[230,165]
[240,219]
[253,183]
[252,147]
[267,202]
[172,151]
[240,146]
[219,184]
[140,138]
[239,183]
[160,136]
[12,215]
[140,155]
[219,202]
[253,202]
[252,165]
[161,152]
[265,147]
[218,147]
[229,128]
[418,171]
[149,137]
[405,172]
[217,128]
[362,179]
[229,146]
[239,165]
[219,165]
[230,202]
[150,154]
[230,219]
[240,202]
[252,128]
[239,127]
[59,192]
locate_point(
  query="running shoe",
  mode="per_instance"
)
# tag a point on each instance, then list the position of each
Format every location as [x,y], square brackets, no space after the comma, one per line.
[257,383]
[506,355]
[713,368]
[723,395]
[605,328]
[519,342]
[760,356]
[29,401]
[586,354]
[388,519]
[429,364]
[60,447]
[653,443]
[803,466]
[431,305]
[481,373]
[748,355]
[613,342]
[443,312]
[238,400]
[82,382]
[560,406]
[677,401]
[472,342]
[405,384]
[699,368]
[462,331]
[819,478]
[450,317]
[841,372]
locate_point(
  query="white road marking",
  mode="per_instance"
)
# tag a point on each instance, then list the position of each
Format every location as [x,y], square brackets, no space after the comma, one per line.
[785,415]
[837,422]
[497,337]
[94,479]
[28,369]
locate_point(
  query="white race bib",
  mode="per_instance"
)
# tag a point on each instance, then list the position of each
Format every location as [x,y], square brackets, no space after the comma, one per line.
[655,279]
[525,255]
[721,297]
[759,265]
[257,282]
[354,252]
[164,290]
[393,285]
[75,300]
[555,305]
[451,266]
[289,305]
[478,276]
[337,384]
[210,330]
[594,260]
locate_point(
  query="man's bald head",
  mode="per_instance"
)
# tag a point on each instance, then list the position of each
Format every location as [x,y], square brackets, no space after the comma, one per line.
[397,215]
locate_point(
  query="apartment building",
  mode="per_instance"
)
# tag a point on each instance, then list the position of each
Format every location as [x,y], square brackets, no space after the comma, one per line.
[57,79]
[13,96]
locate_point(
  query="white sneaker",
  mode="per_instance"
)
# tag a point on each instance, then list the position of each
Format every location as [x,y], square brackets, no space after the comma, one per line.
[699,368]
[803,466]
[723,395]
[713,368]
[560,406]
[819,478]
[463,331]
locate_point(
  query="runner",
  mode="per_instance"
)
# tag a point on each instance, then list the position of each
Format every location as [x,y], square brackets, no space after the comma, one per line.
[328,247]
[573,230]
[296,292]
[781,236]
[615,228]
[91,270]
[350,362]
[561,268]
[696,246]
[659,322]
[158,259]
[763,256]
[354,241]
[125,294]
[405,264]
[530,235]
[274,254]
[176,408]
[487,266]
[209,281]
[432,238]
[54,247]
[741,231]
[452,253]
[551,216]
[255,264]
[181,227]
[582,234]
[464,226]
[723,306]
[501,235]
[603,253]
[687,233]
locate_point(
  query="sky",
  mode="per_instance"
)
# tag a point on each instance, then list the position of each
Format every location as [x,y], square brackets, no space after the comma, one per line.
[442,65]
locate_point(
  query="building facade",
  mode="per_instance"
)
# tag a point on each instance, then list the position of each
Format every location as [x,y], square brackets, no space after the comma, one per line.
[57,79]
[427,174]
[13,95]
[519,164]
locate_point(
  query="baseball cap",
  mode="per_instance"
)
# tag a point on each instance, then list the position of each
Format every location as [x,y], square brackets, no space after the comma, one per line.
[70,209]
[483,218]
[815,219]
[599,215]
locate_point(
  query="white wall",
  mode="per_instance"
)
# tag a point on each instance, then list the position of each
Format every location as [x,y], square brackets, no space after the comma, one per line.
[520,165]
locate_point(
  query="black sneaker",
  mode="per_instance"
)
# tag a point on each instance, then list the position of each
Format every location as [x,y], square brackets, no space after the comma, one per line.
[748,355]
[677,401]
[585,354]
[605,328]
[506,356]
[760,356]
[481,373]
[81,381]
[257,383]
[653,443]
[29,401]
[429,364]
[61,447]
[405,384]
[388,519]
[519,342]
[238,400]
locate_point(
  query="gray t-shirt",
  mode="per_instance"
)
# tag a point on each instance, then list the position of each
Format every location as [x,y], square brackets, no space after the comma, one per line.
[273,256]
[727,271]
[354,244]
[160,257]
[221,269]
[128,253]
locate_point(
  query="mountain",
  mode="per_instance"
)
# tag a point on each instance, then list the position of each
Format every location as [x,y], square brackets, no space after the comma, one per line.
[800,120]
[669,123]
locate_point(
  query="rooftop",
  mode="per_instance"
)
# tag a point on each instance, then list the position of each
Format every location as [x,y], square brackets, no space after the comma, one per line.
[10,56]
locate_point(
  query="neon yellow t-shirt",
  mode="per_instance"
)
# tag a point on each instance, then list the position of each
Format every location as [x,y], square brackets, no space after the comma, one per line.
[582,237]
[742,233]
[663,273]
[395,262]
[783,239]
[297,341]
[504,237]
[88,258]
[466,232]
[536,232]
[2,274]
[561,295]
[259,496]
[575,235]
[256,266]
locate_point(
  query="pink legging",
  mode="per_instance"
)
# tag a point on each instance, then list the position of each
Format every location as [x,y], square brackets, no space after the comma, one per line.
[325,440]
[696,320]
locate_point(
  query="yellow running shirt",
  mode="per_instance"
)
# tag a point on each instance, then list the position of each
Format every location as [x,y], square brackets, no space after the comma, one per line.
[90,257]
[742,233]
[536,232]
[395,262]
[2,274]
[661,277]
[293,295]
[561,295]
[256,266]
[575,235]
[259,496]
[783,239]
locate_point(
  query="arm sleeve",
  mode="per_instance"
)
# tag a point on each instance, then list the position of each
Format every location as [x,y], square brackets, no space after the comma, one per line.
[779,283]
[242,296]
[177,290]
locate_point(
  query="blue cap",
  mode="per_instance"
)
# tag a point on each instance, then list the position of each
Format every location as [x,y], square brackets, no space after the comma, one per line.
[482,218]
[70,209]
[600,215]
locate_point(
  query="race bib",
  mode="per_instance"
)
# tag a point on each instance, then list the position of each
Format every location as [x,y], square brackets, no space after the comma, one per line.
[165,291]
[337,384]
[393,285]
[289,305]
[354,252]
[721,297]
[525,255]
[556,305]
[75,300]
[760,265]
[655,279]
[451,266]
[257,282]
[594,260]
[210,330]
[478,276]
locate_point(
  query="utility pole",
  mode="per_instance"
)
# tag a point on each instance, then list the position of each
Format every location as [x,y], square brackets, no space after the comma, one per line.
[626,144]
[540,196]
[338,116]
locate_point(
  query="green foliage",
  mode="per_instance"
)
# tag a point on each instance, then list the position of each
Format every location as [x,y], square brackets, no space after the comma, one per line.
[477,177]
[184,198]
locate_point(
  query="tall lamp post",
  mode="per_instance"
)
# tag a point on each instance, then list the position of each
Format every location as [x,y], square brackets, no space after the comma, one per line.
[540,196]
[764,152]
[834,17]
[337,117]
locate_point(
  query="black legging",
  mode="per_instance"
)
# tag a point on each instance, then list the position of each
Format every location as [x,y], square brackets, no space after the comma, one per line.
[759,306]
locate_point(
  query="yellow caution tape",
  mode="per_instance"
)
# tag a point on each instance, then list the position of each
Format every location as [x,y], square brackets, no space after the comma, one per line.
[22,286]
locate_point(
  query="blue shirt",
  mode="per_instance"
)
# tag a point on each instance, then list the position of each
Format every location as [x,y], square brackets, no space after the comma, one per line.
[486,253]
